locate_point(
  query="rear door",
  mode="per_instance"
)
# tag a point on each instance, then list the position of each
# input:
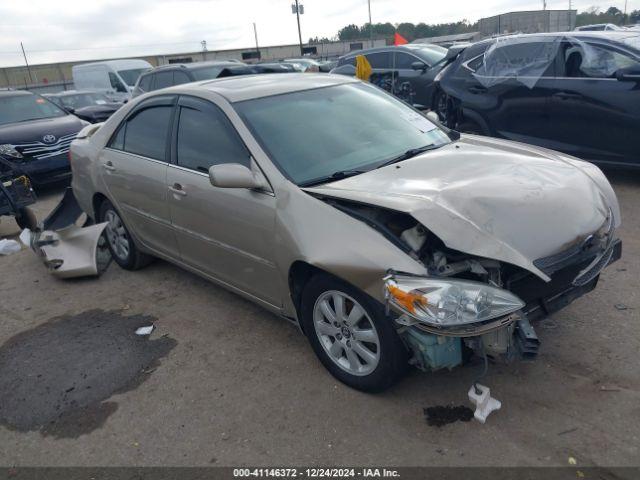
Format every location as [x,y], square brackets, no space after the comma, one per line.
[134,169]
[227,233]
[594,115]
[511,89]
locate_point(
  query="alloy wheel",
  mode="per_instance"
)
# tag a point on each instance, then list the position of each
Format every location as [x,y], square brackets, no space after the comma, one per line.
[346,333]
[117,235]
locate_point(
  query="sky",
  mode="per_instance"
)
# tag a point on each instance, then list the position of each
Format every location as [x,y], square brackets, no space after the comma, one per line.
[69,30]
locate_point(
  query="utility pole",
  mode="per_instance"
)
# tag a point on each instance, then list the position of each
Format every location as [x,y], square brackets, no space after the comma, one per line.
[370,24]
[255,34]
[26,63]
[298,10]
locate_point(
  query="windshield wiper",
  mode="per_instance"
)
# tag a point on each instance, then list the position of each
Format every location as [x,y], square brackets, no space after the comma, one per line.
[412,152]
[339,175]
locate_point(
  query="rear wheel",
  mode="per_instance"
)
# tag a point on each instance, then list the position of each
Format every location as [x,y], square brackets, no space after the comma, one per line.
[351,335]
[119,240]
[443,108]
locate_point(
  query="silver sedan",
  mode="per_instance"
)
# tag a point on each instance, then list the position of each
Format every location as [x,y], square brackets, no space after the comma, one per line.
[388,239]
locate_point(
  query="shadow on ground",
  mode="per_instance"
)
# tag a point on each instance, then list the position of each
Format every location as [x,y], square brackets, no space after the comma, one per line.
[56,377]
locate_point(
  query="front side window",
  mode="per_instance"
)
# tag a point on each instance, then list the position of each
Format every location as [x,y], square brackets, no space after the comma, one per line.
[164,79]
[145,133]
[145,83]
[180,77]
[206,138]
[116,84]
[404,60]
[379,60]
[315,133]
[22,108]
[596,61]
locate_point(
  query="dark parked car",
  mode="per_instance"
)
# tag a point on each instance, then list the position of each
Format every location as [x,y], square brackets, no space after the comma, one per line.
[92,106]
[408,71]
[35,135]
[179,73]
[576,92]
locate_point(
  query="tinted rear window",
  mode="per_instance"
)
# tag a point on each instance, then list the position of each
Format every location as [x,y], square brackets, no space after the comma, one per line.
[146,133]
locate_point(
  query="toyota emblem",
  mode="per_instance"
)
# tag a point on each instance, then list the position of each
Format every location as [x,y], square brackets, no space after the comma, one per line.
[49,138]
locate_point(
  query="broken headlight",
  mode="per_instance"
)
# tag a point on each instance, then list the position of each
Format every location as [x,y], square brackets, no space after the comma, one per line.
[7,150]
[450,302]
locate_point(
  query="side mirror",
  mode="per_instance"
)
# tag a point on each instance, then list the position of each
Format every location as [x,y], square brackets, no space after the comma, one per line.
[628,75]
[233,175]
[419,66]
[433,116]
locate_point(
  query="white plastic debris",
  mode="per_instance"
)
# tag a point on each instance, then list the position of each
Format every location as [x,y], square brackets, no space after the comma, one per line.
[145,330]
[25,237]
[484,402]
[7,247]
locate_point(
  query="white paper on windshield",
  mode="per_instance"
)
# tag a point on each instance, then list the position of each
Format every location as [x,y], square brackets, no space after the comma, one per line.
[100,102]
[419,121]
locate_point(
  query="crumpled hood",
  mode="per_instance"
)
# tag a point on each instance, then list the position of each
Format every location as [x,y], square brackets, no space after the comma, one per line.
[491,198]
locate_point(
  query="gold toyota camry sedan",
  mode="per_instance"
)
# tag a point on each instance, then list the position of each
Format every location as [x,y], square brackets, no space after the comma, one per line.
[387,238]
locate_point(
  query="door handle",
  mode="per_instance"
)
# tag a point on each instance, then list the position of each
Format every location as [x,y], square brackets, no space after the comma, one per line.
[109,166]
[566,95]
[177,190]
[477,90]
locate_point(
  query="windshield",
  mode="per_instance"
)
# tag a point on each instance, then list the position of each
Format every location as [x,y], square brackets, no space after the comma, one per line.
[433,54]
[131,76]
[21,108]
[314,133]
[83,100]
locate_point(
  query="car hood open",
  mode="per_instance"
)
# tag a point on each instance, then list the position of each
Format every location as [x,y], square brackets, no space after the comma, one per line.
[491,198]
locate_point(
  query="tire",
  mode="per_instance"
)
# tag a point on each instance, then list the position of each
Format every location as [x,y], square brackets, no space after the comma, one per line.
[363,351]
[442,107]
[116,233]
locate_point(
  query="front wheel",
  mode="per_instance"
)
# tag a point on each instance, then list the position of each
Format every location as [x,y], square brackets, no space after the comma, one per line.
[351,335]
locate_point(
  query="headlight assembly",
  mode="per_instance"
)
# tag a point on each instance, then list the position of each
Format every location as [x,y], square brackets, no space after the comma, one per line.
[8,150]
[448,302]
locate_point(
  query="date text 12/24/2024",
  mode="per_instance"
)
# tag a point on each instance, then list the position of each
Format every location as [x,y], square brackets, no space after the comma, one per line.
[316,472]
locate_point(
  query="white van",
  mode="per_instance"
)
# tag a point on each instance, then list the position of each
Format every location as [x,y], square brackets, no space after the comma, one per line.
[116,75]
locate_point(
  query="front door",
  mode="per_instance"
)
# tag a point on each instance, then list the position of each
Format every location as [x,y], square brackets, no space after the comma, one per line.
[511,89]
[227,233]
[595,116]
[134,169]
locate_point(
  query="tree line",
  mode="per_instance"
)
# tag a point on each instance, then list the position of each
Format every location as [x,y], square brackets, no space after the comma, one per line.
[412,31]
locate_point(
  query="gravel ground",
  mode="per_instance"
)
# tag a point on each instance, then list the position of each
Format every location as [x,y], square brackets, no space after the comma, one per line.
[235,385]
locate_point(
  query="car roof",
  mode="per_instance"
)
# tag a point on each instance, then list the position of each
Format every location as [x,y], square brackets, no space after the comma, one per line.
[14,93]
[247,87]
[617,35]
[66,93]
[409,47]
[194,65]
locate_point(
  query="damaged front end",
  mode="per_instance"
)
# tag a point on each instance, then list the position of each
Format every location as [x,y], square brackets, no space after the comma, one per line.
[439,317]
[69,246]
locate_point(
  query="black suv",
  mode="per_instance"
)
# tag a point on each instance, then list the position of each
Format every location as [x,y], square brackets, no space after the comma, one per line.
[576,92]
[408,71]
[35,135]
[179,73]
